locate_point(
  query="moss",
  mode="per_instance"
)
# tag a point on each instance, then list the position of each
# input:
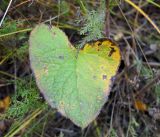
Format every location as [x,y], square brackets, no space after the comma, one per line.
[25,99]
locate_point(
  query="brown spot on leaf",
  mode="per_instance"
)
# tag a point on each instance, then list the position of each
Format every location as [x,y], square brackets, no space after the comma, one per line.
[112,44]
[113,78]
[104,77]
[99,98]
[94,77]
[61,57]
[99,44]
[54,33]
[61,104]
[111,51]
[45,70]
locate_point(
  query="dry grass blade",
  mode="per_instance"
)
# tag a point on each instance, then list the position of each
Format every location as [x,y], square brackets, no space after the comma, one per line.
[144,14]
[24,123]
[12,33]
[154,3]
[20,4]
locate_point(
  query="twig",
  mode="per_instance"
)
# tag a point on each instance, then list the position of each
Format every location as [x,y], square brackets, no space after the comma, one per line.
[148,85]
[107,21]
[20,4]
[5,13]
[49,20]
[112,114]
[15,74]
[153,64]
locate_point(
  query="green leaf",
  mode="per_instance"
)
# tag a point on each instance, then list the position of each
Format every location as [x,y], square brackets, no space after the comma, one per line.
[75,82]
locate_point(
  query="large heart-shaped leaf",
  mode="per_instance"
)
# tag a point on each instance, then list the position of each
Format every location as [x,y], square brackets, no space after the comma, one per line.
[76,82]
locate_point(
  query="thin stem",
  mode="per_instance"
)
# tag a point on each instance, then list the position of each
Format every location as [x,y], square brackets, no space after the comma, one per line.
[107,19]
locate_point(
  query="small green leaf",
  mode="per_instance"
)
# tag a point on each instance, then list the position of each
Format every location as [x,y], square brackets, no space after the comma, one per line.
[77,83]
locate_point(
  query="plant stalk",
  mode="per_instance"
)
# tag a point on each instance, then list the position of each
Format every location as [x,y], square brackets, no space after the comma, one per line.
[107,20]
